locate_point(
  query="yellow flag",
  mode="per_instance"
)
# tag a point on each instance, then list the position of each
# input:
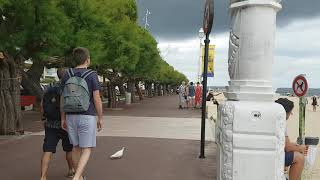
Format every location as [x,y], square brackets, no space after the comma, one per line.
[210,60]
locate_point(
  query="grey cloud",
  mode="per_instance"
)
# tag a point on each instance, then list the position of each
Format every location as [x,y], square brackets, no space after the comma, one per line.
[181,19]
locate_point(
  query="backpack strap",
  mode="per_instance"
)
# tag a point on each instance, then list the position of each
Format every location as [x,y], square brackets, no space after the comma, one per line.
[87,73]
[70,72]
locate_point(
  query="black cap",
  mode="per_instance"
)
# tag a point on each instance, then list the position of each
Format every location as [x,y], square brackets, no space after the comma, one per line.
[286,103]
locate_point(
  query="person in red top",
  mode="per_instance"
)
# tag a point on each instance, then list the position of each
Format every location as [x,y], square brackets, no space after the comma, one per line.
[198,93]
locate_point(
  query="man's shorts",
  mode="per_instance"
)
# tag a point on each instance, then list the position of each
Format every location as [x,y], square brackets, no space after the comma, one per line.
[288,158]
[82,130]
[52,137]
[191,97]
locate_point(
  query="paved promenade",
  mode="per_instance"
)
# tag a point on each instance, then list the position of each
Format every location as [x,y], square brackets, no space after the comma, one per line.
[163,144]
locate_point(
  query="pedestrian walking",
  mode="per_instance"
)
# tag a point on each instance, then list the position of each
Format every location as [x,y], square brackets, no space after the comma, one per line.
[50,110]
[314,103]
[191,94]
[181,92]
[186,96]
[81,114]
[198,95]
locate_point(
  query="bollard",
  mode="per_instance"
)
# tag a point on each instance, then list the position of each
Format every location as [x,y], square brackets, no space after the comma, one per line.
[311,157]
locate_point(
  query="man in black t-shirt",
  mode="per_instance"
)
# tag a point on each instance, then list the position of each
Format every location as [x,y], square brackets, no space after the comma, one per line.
[53,132]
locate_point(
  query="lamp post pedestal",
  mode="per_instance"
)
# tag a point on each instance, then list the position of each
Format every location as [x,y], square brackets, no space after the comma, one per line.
[250,129]
[250,136]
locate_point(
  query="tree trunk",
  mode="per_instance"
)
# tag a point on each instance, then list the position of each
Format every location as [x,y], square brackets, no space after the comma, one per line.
[31,80]
[112,97]
[151,90]
[132,91]
[155,87]
[104,86]
[121,88]
[160,88]
[10,110]
[147,93]
[139,91]
[165,90]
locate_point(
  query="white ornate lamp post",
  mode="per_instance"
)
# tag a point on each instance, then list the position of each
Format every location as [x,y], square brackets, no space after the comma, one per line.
[201,36]
[250,127]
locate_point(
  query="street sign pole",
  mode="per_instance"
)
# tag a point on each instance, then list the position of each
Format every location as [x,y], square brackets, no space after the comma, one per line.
[300,88]
[302,120]
[207,26]
[204,94]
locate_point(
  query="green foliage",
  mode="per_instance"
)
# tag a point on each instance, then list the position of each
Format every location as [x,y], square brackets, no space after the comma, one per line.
[108,28]
[119,10]
[48,80]
[33,28]
[88,28]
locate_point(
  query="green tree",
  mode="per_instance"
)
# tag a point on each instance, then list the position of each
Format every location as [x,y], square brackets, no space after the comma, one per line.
[47,31]
[29,29]
[121,43]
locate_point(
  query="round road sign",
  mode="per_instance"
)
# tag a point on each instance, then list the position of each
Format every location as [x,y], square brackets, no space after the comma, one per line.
[208,17]
[300,86]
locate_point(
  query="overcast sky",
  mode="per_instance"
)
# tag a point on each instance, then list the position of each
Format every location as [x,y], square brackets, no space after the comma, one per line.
[175,24]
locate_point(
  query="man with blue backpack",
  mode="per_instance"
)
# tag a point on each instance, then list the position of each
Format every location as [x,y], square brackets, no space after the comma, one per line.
[53,131]
[81,109]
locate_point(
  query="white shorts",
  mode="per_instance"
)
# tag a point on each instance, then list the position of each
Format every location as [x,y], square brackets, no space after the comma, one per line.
[191,97]
[82,130]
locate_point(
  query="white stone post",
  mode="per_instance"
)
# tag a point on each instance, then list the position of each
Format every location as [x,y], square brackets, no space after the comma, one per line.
[250,126]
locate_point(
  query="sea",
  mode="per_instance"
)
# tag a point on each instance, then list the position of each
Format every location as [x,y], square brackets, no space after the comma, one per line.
[281,91]
[289,91]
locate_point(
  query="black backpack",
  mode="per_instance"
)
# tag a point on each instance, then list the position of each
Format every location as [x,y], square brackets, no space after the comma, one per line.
[51,103]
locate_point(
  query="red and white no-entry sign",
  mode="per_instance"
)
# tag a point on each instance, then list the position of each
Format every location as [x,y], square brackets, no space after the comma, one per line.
[300,86]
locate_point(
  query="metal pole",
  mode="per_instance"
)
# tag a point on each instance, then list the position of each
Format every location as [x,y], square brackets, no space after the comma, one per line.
[302,117]
[204,94]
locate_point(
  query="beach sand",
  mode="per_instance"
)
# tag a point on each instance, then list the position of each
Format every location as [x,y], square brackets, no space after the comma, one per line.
[312,125]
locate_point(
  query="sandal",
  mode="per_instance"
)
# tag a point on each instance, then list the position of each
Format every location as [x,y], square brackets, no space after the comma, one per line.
[70,174]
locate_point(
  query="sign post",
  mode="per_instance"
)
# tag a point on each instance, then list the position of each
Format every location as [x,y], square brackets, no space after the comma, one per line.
[300,89]
[207,26]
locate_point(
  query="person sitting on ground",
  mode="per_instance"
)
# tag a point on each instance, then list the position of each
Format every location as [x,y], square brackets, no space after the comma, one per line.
[53,132]
[294,153]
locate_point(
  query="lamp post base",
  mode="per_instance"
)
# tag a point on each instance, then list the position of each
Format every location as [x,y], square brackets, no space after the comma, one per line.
[250,136]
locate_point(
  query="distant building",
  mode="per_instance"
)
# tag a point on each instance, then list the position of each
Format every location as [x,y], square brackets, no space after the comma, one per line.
[50,73]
